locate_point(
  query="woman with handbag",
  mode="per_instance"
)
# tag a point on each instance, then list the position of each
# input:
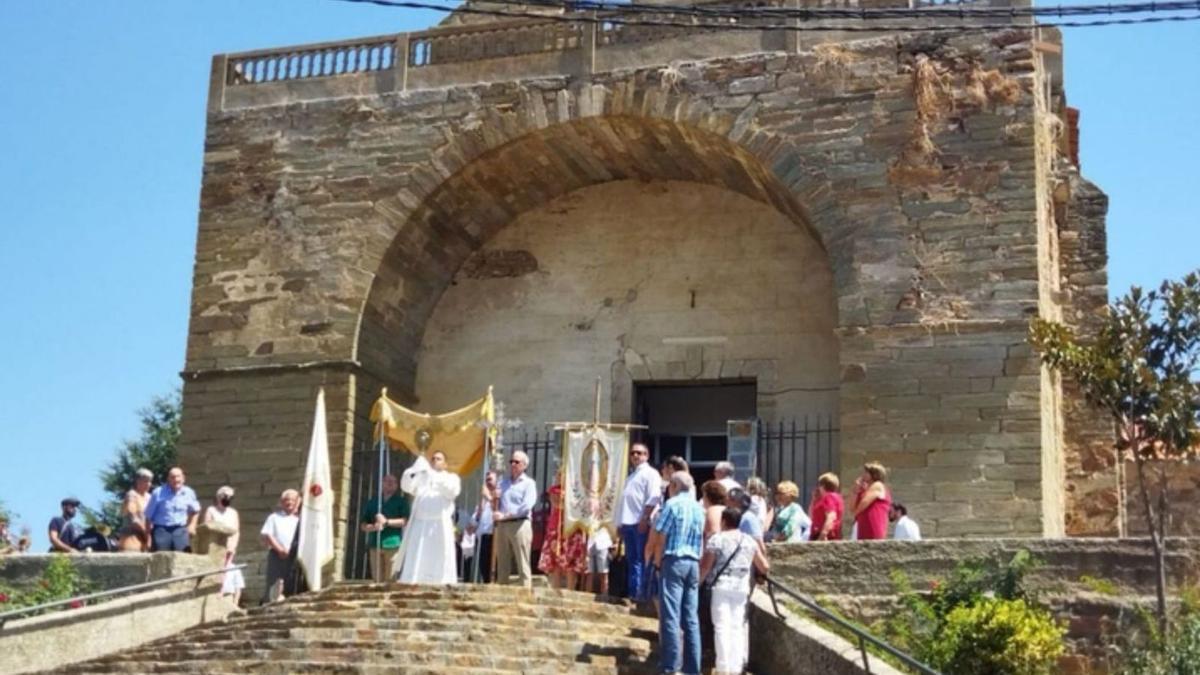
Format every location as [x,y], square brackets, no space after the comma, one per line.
[729,555]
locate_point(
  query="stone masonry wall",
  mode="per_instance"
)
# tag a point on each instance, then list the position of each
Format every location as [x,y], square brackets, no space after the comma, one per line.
[330,229]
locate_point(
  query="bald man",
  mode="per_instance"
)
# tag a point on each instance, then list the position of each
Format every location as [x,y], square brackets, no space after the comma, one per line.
[514,532]
[277,535]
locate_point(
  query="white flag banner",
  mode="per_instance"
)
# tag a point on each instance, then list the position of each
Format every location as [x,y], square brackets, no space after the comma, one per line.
[316,516]
[596,461]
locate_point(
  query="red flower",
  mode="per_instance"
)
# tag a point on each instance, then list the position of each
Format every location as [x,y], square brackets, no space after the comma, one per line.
[935,584]
[3,597]
[315,490]
[76,604]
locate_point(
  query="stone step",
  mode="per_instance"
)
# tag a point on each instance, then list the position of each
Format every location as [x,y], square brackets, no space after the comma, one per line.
[529,648]
[372,590]
[450,655]
[259,667]
[399,621]
[497,610]
[566,601]
[396,629]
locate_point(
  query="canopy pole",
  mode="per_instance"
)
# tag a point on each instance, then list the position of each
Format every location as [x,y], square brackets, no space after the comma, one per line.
[379,486]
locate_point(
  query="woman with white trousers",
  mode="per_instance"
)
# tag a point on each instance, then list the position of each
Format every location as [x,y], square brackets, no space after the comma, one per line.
[725,568]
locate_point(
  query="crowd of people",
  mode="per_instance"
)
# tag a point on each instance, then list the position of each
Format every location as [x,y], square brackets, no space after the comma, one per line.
[690,552]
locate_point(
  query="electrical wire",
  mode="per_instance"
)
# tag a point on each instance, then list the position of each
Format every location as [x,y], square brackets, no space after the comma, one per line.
[952,10]
[733,23]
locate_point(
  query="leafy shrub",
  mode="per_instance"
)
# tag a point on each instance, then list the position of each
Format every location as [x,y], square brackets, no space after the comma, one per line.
[981,619]
[59,581]
[994,636]
[1175,654]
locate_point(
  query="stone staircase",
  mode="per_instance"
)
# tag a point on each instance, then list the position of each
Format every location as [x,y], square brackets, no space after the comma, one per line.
[391,628]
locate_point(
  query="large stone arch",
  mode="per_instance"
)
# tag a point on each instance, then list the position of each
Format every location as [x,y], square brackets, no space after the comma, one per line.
[493,185]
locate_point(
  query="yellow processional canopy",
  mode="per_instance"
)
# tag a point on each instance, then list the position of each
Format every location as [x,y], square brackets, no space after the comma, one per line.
[461,434]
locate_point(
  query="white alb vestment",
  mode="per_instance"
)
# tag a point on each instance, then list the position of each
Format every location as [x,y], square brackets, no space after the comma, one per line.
[426,554]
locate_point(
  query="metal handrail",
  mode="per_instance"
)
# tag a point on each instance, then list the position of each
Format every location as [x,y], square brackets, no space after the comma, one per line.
[863,636]
[133,588]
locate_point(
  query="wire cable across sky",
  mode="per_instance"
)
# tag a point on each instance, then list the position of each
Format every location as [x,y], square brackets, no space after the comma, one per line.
[731,18]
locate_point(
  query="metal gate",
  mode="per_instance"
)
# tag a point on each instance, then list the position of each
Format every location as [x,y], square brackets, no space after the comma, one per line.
[798,450]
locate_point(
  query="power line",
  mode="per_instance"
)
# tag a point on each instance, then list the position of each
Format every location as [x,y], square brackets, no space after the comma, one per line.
[957,10]
[735,25]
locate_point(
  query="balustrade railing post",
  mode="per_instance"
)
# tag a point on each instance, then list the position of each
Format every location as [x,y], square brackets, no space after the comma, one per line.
[590,30]
[400,62]
[216,83]
[792,38]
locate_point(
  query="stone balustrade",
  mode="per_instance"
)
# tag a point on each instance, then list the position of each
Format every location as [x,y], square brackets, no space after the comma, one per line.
[320,60]
[529,47]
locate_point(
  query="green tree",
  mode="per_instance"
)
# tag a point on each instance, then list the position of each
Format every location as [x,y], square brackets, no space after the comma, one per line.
[154,449]
[1141,368]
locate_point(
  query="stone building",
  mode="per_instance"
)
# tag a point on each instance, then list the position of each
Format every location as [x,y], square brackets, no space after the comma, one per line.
[721,224]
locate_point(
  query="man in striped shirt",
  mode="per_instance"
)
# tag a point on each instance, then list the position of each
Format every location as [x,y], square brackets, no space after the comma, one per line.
[677,541]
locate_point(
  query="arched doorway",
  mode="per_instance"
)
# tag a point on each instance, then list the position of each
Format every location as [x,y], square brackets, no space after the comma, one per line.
[639,250]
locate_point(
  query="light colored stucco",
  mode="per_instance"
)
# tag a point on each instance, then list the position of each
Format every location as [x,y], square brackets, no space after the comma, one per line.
[618,269]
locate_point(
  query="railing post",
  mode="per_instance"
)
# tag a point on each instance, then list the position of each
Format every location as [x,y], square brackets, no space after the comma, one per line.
[590,31]
[400,62]
[792,38]
[216,83]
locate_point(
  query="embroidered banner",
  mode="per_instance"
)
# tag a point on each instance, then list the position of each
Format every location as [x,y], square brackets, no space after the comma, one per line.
[595,461]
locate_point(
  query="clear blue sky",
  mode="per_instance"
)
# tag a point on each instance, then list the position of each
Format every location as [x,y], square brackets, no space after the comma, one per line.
[101,134]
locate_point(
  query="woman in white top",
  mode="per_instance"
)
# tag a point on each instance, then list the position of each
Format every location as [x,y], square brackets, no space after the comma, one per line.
[728,557]
[224,515]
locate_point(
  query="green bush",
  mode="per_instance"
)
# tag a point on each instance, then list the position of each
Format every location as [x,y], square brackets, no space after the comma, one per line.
[982,618]
[997,637]
[1175,654]
[59,581]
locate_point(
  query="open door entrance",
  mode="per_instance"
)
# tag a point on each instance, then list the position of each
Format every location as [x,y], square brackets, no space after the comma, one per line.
[690,420]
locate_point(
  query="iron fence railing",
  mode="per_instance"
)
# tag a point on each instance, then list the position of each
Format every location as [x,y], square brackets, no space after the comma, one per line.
[104,595]
[799,450]
[862,637]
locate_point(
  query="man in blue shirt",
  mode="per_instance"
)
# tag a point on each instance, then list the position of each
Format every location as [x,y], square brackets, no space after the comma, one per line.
[171,513]
[64,533]
[514,533]
[677,541]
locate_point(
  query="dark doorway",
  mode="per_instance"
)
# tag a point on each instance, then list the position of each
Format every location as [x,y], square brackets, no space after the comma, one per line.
[690,420]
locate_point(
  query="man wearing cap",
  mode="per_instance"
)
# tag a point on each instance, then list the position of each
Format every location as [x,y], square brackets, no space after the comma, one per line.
[63,532]
[172,512]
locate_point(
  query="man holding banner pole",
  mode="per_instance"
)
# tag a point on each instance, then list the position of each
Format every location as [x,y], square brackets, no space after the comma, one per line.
[634,517]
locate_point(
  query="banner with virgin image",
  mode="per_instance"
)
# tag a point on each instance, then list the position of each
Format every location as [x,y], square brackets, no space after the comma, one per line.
[595,461]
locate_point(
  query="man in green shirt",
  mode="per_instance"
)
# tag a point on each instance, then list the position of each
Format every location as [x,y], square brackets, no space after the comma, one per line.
[384,528]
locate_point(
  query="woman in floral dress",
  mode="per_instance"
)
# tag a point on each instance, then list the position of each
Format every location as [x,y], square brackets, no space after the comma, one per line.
[560,557]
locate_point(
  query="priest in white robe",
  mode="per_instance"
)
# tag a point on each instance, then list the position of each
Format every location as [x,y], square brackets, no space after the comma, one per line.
[426,554]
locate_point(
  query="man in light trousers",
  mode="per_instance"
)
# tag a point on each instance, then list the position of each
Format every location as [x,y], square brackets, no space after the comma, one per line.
[511,513]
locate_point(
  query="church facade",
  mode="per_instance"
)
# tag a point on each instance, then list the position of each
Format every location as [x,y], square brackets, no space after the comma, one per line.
[718,224]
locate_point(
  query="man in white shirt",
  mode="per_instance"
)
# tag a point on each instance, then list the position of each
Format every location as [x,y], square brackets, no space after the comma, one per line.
[906,528]
[723,473]
[642,486]
[277,535]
